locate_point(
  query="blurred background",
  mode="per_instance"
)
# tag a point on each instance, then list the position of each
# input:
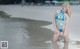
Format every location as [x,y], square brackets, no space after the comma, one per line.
[38,2]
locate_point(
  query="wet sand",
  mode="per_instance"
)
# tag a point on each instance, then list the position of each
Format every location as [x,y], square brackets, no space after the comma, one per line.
[26,31]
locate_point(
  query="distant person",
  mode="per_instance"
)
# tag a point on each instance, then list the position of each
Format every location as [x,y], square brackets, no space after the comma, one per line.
[61,23]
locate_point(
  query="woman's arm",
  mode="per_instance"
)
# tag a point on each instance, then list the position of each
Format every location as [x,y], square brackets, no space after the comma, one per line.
[66,25]
[54,21]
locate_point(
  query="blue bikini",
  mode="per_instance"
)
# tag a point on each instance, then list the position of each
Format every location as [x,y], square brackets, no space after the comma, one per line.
[60,21]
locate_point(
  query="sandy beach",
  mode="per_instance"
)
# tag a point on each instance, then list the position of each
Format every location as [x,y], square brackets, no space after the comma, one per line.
[30,27]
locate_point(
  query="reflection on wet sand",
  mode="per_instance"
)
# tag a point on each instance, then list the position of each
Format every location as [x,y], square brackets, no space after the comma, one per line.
[56,46]
[65,46]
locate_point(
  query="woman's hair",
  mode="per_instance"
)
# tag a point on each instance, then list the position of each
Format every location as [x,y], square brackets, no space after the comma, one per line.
[67,6]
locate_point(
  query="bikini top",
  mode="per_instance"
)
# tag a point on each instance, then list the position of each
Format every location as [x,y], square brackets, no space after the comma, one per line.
[60,16]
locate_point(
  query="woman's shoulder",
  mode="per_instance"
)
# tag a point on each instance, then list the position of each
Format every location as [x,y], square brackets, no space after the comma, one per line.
[57,11]
[66,15]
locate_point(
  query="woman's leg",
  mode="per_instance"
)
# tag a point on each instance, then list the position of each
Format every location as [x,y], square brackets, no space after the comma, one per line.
[65,46]
[65,35]
[56,46]
[55,36]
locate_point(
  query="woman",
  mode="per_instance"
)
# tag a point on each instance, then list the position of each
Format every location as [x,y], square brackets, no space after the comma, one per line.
[61,23]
